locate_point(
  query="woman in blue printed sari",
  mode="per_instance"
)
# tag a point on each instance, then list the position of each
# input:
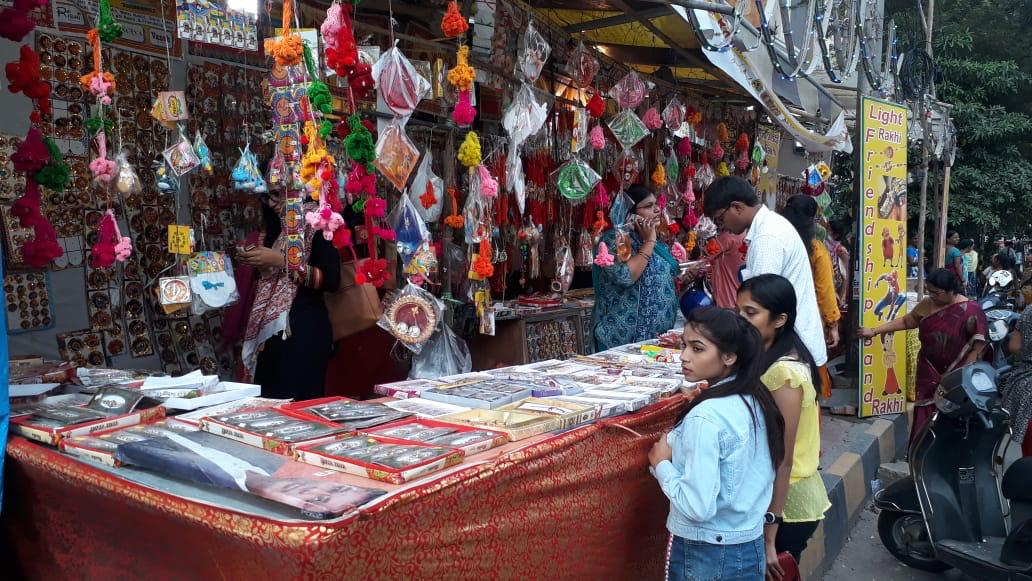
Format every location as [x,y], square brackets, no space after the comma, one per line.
[635,298]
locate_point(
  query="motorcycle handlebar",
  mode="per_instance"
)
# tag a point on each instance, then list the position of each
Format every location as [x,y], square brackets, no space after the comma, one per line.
[986,421]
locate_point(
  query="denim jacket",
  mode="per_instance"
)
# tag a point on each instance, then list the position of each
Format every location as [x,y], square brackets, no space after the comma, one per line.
[721,478]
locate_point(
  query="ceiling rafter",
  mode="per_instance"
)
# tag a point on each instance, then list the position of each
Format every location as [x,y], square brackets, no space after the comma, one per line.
[616,20]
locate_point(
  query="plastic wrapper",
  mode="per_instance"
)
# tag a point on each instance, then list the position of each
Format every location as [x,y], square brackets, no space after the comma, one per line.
[582,66]
[473,212]
[673,114]
[533,51]
[627,167]
[211,282]
[628,128]
[427,191]
[410,229]
[411,315]
[629,91]
[585,251]
[422,264]
[704,176]
[579,138]
[443,355]
[564,267]
[622,205]
[396,156]
[128,182]
[705,229]
[524,116]
[245,175]
[576,179]
[515,181]
[203,152]
[400,84]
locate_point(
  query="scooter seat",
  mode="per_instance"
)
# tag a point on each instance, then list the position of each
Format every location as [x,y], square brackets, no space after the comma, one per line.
[1017,481]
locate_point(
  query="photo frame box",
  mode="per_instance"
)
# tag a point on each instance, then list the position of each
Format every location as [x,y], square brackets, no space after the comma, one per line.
[517,425]
[405,389]
[500,438]
[633,401]
[305,408]
[425,408]
[319,455]
[49,433]
[193,419]
[213,425]
[100,447]
[469,397]
[568,414]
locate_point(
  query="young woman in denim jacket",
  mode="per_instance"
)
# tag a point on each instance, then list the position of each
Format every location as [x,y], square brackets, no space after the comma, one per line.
[717,465]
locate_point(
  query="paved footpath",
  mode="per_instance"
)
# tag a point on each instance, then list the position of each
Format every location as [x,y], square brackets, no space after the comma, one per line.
[865,559]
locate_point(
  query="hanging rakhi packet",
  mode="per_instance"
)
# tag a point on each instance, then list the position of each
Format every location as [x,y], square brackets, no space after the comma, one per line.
[400,84]
[524,116]
[582,66]
[396,156]
[629,91]
[575,179]
[211,280]
[427,191]
[410,229]
[628,128]
[627,167]
[673,114]
[533,52]
[515,181]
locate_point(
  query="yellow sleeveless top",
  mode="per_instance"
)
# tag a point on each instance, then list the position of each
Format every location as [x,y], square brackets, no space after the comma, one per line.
[807,498]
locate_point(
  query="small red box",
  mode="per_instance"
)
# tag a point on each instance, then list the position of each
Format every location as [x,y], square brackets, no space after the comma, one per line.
[225,427]
[436,458]
[499,439]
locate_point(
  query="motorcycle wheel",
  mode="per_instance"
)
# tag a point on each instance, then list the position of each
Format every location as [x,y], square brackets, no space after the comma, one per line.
[905,536]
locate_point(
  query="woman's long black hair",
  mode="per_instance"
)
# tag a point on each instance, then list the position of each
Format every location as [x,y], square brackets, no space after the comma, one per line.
[733,334]
[775,293]
[801,211]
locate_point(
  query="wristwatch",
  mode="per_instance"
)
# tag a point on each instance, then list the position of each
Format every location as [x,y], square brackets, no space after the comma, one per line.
[770,518]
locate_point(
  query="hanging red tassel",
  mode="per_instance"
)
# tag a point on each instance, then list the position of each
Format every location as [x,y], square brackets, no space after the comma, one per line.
[596,106]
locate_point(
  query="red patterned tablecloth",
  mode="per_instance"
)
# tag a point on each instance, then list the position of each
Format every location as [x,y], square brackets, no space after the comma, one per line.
[577,506]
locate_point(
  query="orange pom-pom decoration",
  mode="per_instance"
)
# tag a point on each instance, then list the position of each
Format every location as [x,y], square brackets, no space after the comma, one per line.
[722,133]
[455,220]
[461,76]
[454,24]
[482,267]
[287,50]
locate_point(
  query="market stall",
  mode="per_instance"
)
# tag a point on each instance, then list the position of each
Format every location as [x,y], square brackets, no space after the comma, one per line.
[581,500]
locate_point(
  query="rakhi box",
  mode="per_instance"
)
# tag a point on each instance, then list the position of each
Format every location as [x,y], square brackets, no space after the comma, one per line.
[406,389]
[101,446]
[518,425]
[469,440]
[51,432]
[634,401]
[568,414]
[274,429]
[347,413]
[469,396]
[383,459]
[193,419]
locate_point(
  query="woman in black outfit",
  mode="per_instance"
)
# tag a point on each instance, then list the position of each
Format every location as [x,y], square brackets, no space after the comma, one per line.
[292,341]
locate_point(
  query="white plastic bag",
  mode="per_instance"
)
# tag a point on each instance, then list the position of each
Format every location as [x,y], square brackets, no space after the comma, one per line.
[443,355]
[427,191]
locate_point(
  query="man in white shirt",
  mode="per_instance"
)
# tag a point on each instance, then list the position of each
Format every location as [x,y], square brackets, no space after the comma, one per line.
[773,247]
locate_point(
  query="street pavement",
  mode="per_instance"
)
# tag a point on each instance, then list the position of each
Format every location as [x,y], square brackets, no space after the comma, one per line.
[865,559]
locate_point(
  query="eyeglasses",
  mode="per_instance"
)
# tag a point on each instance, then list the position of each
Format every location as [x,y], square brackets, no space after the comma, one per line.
[718,219]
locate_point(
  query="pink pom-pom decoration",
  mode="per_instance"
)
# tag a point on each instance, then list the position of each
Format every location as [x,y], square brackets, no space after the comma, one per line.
[597,137]
[718,152]
[104,170]
[678,252]
[601,196]
[690,219]
[376,207]
[652,120]
[603,258]
[330,27]
[684,148]
[488,185]
[360,181]
[325,219]
[32,154]
[464,112]
[43,248]
[101,89]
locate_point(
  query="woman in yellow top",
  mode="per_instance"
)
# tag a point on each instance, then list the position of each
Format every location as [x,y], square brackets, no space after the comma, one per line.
[800,499]
[801,211]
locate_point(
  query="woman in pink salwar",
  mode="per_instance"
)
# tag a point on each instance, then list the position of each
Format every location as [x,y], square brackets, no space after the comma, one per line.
[952,331]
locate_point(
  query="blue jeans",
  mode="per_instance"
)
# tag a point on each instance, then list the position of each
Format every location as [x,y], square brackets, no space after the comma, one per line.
[700,561]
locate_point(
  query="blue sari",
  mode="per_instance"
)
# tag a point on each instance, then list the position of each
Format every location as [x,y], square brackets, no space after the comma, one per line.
[627,311]
[5,402]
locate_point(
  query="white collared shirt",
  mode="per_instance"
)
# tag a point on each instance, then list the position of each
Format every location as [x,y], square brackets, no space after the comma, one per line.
[774,247]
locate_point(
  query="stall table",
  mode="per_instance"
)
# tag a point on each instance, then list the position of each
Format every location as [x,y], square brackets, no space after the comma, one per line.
[575,505]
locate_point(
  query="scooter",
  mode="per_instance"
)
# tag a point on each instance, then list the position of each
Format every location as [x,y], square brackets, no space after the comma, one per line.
[1001,317]
[954,511]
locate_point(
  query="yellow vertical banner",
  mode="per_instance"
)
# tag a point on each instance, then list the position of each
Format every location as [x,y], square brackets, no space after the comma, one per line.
[883,244]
